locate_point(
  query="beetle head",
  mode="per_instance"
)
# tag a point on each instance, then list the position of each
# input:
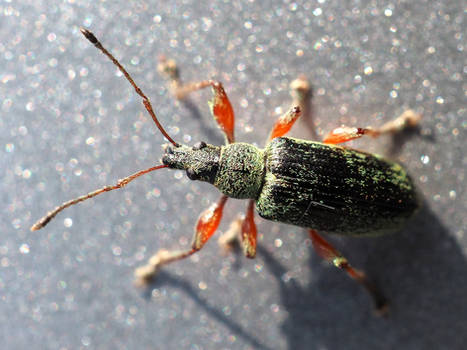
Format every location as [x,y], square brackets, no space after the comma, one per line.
[201,161]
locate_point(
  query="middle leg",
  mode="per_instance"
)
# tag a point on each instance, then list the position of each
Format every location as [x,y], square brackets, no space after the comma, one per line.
[242,231]
[408,119]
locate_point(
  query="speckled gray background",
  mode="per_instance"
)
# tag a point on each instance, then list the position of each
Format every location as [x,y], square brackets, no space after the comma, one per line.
[69,124]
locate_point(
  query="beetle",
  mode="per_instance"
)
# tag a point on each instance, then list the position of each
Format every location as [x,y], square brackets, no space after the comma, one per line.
[320,186]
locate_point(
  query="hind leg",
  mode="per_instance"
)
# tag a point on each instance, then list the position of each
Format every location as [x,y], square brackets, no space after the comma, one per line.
[333,256]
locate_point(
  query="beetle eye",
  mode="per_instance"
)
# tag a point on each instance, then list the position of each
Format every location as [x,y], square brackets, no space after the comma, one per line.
[199,145]
[169,150]
[191,174]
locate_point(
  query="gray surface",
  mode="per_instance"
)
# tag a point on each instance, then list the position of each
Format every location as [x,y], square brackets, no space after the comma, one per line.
[69,125]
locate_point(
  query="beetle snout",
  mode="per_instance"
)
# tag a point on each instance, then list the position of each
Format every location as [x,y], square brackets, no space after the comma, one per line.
[167,158]
[175,157]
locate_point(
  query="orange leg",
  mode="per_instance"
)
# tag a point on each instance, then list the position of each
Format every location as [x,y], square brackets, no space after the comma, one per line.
[284,123]
[221,107]
[242,231]
[249,232]
[332,255]
[408,119]
[207,224]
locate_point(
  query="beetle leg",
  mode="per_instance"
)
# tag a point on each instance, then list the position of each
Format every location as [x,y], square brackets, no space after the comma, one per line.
[301,93]
[222,110]
[249,232]
[242,231]
[221,107]
[285,122]
[408,119]
[231,238]
[332,255]
[169,69]
[207,224]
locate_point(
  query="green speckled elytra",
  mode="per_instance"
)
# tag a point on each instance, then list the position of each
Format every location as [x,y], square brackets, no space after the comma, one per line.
[319,186]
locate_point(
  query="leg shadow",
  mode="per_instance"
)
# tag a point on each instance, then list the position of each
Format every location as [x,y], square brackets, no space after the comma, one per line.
[166,279]
[209,130]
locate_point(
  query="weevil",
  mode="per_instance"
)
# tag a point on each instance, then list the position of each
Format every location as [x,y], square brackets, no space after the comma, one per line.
[320,186]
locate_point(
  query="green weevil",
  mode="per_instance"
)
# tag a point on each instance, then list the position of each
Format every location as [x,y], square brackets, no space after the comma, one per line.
[316,185]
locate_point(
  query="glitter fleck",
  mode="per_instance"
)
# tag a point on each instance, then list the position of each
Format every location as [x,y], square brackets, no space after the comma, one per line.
[9,147]
[368,70]
[278,243]
[24,248]
[68,222]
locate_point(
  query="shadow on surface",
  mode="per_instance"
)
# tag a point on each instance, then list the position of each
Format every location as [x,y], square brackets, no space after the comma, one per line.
[213,134]
[399,139]
[166,279]
[420,271]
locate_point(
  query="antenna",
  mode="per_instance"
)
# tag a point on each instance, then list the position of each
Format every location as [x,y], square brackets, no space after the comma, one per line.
[92,38]
[120,183]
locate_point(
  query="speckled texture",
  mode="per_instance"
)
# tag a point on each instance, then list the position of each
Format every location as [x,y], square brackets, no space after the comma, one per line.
[241,171]
[333,189]
[70,123]
[200,164]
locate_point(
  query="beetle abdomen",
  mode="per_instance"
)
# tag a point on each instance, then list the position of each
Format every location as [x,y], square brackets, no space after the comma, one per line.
[334,189]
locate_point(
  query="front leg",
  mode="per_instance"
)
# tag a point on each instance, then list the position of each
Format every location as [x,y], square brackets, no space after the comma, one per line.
[221,108]
[206,226]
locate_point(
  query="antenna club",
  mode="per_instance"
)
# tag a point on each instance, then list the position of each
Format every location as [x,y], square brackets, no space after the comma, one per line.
[35,227]
[89,35]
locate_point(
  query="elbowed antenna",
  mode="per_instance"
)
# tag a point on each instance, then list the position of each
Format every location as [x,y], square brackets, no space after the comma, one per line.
[121,183]
[92,38]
